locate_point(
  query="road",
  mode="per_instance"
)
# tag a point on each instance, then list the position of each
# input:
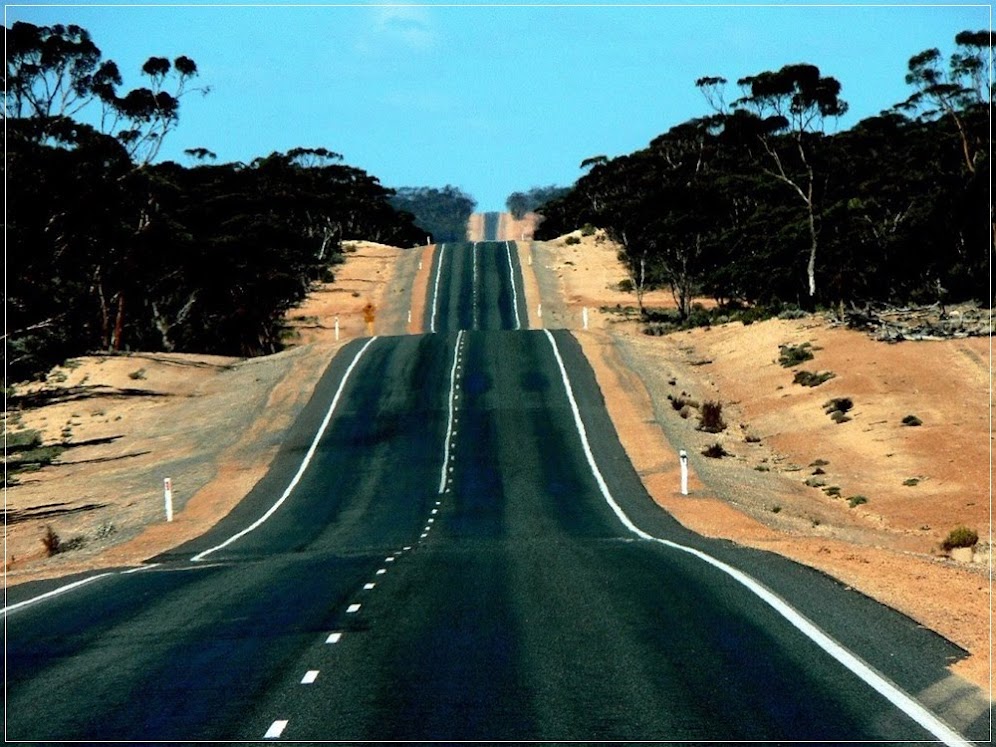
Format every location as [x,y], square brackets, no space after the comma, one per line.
[452,545]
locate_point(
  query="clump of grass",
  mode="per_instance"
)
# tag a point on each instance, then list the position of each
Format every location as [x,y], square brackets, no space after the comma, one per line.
[911,482]
[762,468]
[819,463]
[960,536]
[814,482]
[715,451]
[819,471]
[711,417]
[681,401]
[51,541]
[571,240]
[587,230]
[833,491]
[810,379]
[54,545]
[776,509]
[137,375]
[793,355]
[912,421]
[856,500]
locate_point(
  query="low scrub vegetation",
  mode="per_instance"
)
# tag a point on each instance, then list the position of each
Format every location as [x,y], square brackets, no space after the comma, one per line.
[793,355]
[711,417]
[811,379]
[837,408]
[715,451]
[960,536]
[856,500]
[912,420]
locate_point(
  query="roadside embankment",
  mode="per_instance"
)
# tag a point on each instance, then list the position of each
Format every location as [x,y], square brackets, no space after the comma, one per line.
[113,427]
[868,499]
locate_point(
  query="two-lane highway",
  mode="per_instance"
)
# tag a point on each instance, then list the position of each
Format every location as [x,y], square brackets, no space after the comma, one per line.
[452,545]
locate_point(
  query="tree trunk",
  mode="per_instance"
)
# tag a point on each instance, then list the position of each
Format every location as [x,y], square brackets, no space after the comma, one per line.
[811,265]
[118,325]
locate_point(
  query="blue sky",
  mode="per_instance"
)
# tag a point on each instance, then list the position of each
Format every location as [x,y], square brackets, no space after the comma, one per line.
[491,99]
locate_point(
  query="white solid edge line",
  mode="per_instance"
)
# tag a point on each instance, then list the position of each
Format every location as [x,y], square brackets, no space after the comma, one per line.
[49,594]
[473,299]
[900,699]
[435,288]
[515,295]
[449,423]
[304,463]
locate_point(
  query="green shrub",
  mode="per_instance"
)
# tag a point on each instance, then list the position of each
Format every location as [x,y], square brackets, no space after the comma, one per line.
[810,379]
[625,285]
[711,417]
[856,500]
[793,355]
[22,440]
[137,375]
[912,420]
[587,230]
[911,482]
[837,408]
[776,509]
[839,404]
[571,240]
[833,491]
[960,536]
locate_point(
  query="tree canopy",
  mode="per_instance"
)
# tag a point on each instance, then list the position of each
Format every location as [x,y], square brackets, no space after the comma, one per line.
[755,203]
[107,250]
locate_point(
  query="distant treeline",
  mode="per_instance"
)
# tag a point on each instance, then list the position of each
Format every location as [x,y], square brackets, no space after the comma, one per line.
[108,251]
[755,204]
[441,213]
[520,203]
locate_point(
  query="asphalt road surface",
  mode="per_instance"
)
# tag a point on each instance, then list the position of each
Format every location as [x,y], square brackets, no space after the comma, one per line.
[452,545]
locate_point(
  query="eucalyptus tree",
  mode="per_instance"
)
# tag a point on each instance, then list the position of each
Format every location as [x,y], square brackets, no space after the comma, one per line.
[782,114]
[961,94]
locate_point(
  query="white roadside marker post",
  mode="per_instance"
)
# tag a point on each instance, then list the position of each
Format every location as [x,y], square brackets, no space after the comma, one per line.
[539,310]
[168,497]
[584,317]
[337,328]
[683,456]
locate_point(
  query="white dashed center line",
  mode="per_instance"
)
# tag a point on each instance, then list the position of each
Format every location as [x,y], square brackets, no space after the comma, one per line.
[369,586]
[381,571]
[275,730]
[310,676]
[452,408]
[334,638]
[353,608]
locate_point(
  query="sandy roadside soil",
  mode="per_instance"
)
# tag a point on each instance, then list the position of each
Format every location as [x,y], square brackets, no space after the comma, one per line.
[919,482]
[132,420]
